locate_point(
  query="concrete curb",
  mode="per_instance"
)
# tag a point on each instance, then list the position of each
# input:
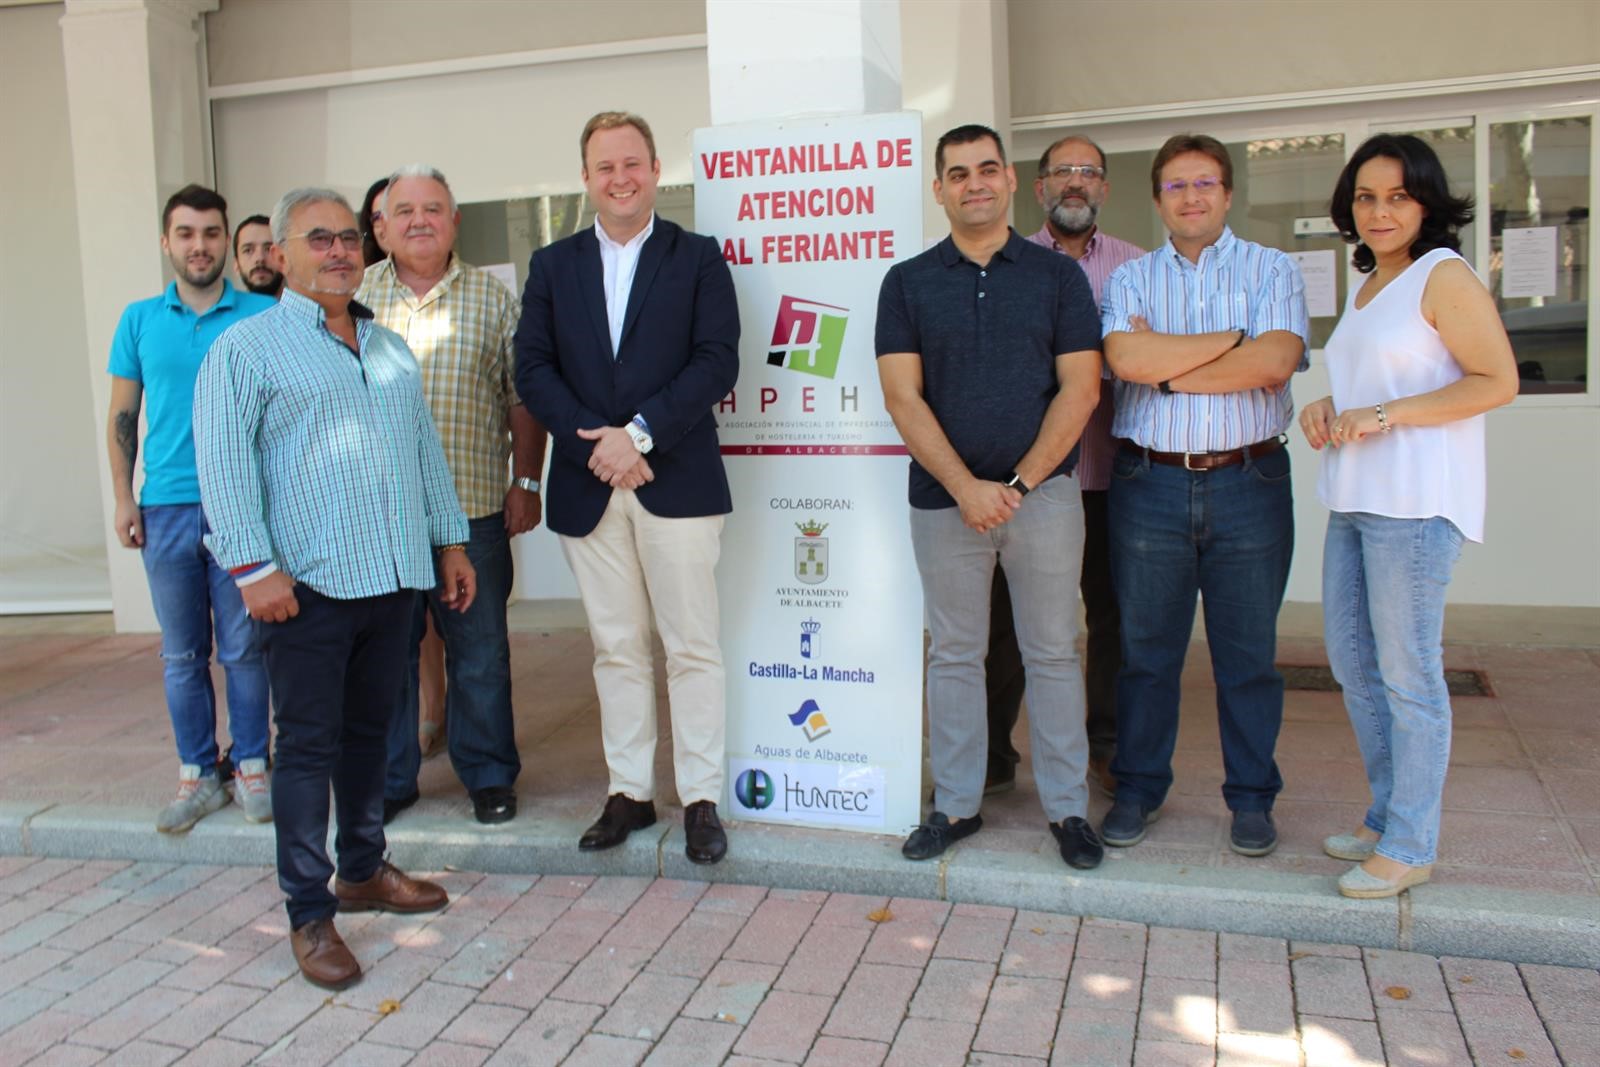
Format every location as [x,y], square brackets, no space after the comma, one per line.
[1522,927]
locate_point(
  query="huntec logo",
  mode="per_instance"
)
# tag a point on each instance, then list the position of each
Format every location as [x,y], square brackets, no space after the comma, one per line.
[807,338]
[808,792]
[754,789]
[811,721]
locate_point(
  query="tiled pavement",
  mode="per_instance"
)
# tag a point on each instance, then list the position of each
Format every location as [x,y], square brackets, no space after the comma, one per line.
[83,721]
[150,964]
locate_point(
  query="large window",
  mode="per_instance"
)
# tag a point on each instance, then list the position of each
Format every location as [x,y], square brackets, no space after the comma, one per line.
[1529,170]
[495,232]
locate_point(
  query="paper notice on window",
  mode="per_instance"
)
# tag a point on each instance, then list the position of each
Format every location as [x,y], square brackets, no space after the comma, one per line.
[1528,262]
[507,273]
[1320,271]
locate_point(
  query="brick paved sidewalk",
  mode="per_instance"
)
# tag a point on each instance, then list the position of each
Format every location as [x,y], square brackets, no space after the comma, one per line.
[150,964]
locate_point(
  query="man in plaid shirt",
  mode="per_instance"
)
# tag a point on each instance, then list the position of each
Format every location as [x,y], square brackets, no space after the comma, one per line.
[459,321]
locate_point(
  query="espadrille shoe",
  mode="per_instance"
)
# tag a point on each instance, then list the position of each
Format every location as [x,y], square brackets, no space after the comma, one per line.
[1359,884]
[1348,847]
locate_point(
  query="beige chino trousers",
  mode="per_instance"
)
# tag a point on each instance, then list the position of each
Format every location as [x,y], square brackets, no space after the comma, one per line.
[635,566]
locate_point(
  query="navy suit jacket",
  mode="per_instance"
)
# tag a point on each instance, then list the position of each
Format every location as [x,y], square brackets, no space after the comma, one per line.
[679,355]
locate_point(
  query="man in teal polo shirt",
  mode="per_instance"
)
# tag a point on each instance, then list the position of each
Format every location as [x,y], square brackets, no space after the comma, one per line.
[155,357]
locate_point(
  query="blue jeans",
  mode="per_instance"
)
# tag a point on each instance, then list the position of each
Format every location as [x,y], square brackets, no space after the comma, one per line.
[1228,535]
[195,598]
[1041,549]
[477,657]
[1383,592]
[333,669]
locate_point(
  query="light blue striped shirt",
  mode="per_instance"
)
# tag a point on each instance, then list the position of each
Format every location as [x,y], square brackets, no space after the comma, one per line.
[1237,285]
[323,462]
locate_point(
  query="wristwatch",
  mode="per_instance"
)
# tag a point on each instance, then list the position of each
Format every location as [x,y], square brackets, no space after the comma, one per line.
[640,436]
[1016,482]
[530,484]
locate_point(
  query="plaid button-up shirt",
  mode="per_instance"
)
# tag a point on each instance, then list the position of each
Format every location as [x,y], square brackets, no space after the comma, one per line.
[461,332]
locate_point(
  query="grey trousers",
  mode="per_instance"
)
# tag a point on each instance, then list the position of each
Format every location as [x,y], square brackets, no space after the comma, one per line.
[1041,549]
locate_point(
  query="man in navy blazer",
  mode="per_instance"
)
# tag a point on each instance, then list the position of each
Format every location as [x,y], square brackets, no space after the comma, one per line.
[629,335]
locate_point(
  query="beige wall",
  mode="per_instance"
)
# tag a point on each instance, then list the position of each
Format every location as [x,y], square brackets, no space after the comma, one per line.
[953,70]
[1083,55]
[259,40]
[49,448]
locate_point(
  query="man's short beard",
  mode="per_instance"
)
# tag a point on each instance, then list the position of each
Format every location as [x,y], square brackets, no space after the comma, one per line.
[271,288]
[202,281]
[1073,220]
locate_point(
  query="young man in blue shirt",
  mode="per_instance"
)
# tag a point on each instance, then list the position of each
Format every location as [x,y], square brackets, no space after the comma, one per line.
[155,357]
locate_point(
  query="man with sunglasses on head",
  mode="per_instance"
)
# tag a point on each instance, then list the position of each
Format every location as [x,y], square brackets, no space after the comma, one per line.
[1203,335]
[331,505]
[1071,187]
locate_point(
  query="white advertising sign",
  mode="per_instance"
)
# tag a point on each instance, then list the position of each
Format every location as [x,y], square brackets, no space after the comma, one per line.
[821,604]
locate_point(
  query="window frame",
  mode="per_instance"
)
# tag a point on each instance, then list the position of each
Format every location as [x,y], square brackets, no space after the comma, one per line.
[1358,120]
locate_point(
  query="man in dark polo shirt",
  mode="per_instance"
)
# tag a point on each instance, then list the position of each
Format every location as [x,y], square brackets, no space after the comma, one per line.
[989,353]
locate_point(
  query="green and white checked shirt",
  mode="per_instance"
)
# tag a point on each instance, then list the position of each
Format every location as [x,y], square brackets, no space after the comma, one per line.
[461,332]
[319,459]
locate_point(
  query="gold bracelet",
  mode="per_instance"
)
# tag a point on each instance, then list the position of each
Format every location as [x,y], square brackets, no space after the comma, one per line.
[450,548]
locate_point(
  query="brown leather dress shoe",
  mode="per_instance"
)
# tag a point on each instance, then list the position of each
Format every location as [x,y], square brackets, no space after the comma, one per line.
[322,955]
[390,890]
[621,817]
[704,840]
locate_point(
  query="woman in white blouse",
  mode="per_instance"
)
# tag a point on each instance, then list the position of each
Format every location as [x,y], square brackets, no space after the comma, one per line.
[1417,358]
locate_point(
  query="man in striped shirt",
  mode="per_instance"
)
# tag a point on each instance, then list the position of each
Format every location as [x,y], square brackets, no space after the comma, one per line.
[459,322]
[1203,335]
[330,503]
[1071,187]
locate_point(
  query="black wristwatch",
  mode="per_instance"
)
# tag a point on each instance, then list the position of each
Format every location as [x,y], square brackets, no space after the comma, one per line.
[1016,482]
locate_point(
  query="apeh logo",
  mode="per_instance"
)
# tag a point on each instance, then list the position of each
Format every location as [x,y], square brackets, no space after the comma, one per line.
[807,338]
[754,789]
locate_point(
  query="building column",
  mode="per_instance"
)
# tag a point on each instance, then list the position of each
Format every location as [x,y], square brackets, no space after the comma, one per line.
[780,59]
[949,59]
[135,96]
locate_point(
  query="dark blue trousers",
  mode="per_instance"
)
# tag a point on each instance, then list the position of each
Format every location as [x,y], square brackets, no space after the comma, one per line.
[333,669]
[1227,536]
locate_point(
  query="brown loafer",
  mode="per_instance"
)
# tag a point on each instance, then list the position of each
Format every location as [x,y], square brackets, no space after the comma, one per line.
[390,890]
[322,955]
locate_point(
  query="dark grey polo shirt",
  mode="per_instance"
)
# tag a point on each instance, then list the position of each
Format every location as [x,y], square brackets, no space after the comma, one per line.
[988,337]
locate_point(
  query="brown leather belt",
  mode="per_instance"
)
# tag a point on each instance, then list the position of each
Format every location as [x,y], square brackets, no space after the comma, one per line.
[1205,461]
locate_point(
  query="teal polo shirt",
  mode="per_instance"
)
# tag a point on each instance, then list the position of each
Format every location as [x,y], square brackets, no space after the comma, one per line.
[159,344]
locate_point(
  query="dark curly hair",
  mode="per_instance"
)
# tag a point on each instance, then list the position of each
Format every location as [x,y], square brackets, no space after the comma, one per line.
[1424,179]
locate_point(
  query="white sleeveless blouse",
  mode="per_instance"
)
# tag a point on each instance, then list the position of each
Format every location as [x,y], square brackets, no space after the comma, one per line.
[1380,353]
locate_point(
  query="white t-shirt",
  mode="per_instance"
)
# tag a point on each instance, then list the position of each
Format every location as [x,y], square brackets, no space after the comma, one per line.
[1380,353]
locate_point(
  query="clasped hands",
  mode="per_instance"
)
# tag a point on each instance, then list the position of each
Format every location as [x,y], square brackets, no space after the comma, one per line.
[615,460]
[985,505]
[1323,427]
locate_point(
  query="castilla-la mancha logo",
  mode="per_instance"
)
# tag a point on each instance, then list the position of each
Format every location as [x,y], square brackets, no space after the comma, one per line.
[811,552]
[808,337]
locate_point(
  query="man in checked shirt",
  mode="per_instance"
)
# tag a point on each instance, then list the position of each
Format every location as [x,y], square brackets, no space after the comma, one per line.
[330,504]
[459,322]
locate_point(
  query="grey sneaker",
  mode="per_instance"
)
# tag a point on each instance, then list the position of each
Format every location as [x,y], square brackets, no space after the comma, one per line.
[251,790]
[197,797]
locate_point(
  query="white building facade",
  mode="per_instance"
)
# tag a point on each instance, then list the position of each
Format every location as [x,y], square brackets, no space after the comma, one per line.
[111,105]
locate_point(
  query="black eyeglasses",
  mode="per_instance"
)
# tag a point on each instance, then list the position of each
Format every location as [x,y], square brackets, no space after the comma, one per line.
[321,240]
